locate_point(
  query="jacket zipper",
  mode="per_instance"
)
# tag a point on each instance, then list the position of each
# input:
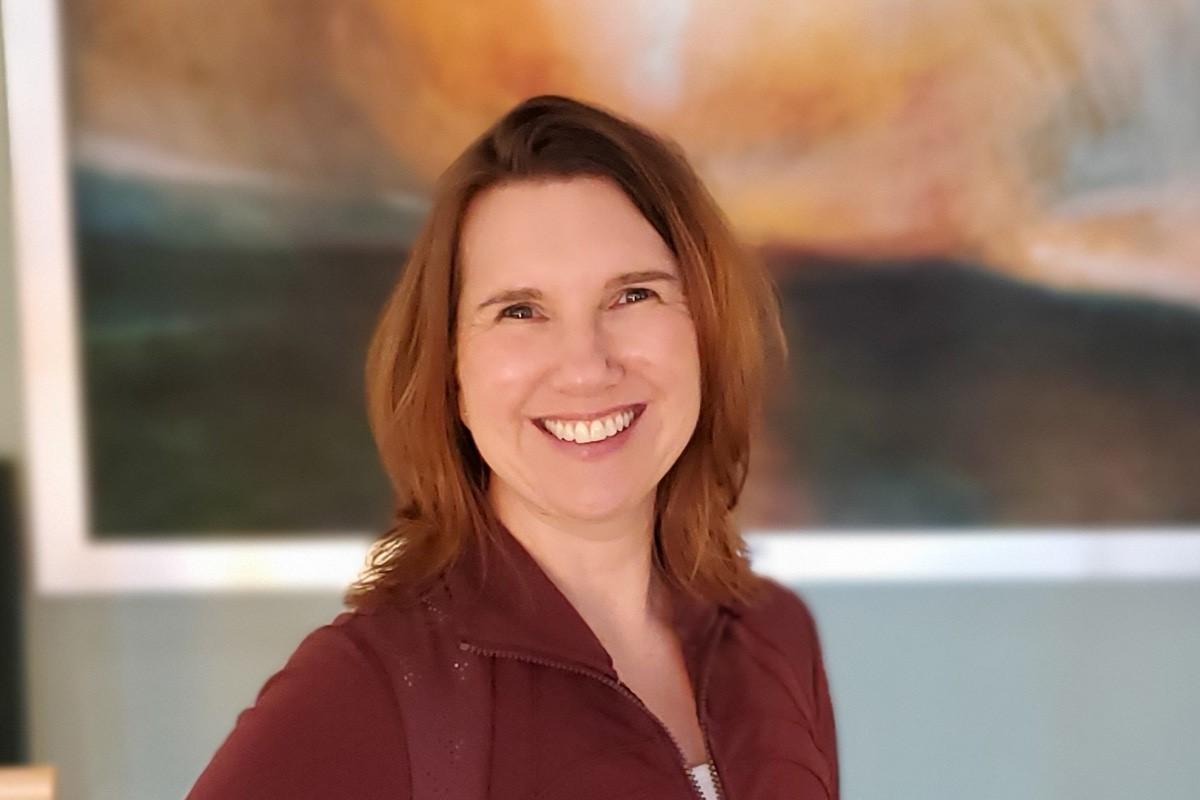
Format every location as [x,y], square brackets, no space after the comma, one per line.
[626,692]
[701,711]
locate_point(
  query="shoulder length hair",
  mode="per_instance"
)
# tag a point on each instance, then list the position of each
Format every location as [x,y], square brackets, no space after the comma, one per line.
[437,474]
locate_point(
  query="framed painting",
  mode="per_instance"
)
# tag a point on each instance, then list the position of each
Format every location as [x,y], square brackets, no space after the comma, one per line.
[982,222]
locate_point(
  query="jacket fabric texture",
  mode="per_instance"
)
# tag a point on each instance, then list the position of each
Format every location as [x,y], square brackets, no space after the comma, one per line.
[493,686]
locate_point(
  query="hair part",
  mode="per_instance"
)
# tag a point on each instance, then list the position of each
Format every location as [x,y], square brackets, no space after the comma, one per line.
[438,477]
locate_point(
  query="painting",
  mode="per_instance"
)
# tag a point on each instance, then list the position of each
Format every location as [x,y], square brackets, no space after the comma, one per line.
[983,217]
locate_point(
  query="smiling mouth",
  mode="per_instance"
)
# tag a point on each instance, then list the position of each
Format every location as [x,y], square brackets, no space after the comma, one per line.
[592,428]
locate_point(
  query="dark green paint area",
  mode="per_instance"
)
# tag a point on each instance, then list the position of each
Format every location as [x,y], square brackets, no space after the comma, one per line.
[224,388]
[931,393]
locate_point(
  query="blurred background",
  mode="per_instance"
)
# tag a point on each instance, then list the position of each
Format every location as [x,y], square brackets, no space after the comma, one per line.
[984,219]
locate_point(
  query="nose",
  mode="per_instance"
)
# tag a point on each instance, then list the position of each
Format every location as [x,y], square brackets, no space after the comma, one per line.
[586,361]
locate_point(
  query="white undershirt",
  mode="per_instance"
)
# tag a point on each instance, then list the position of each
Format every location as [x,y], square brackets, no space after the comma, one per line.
[703,773]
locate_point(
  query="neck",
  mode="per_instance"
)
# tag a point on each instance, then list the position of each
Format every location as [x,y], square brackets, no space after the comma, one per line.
[603,567]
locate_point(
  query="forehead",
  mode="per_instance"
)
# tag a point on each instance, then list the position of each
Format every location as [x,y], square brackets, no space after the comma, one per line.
[567,227]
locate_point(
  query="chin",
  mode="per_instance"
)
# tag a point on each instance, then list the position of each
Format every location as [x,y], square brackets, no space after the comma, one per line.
[596,508]
[592,513]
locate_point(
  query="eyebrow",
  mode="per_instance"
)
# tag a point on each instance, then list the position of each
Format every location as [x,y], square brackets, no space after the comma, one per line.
[526,293]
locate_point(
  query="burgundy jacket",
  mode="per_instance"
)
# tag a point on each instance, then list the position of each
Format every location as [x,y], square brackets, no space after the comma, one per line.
[493,686]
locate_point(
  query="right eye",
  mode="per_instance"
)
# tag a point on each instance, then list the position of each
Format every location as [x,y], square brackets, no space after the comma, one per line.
[518,311]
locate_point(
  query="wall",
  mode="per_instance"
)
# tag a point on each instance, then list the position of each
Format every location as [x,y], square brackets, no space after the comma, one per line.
[10,431]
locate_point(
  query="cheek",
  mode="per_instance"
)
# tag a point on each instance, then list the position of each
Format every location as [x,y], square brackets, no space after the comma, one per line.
[495,375]
[668,340]
[664,348]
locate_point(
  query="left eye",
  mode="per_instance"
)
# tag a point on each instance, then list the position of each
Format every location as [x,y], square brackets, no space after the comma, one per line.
[634,295]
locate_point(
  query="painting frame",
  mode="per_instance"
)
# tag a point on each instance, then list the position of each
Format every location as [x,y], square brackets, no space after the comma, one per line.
[64,558]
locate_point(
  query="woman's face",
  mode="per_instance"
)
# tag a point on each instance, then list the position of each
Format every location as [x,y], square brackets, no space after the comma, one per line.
[577,363]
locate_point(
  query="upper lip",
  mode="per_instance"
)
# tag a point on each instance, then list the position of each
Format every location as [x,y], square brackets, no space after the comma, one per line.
[589,416]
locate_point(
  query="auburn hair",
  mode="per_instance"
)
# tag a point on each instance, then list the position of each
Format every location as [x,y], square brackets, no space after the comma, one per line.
[436,472]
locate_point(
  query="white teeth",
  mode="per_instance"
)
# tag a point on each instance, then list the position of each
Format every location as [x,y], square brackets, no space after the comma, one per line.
[595,431]
[564,432]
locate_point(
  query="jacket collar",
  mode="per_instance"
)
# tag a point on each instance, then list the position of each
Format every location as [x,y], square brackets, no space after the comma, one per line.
[502,600]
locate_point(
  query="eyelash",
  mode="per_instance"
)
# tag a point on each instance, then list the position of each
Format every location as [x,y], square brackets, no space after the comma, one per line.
[504,312]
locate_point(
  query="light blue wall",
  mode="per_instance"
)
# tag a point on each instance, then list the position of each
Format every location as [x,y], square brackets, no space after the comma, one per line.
[1016,691]
[131,695]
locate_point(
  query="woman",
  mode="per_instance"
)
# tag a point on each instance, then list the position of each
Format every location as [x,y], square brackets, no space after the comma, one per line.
[561,387]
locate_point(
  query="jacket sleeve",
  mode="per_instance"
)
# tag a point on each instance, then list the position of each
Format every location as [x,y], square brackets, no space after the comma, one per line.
[326,725]
[826,728]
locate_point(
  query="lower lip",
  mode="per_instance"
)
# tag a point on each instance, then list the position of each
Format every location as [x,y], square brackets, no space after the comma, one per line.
[593,450]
